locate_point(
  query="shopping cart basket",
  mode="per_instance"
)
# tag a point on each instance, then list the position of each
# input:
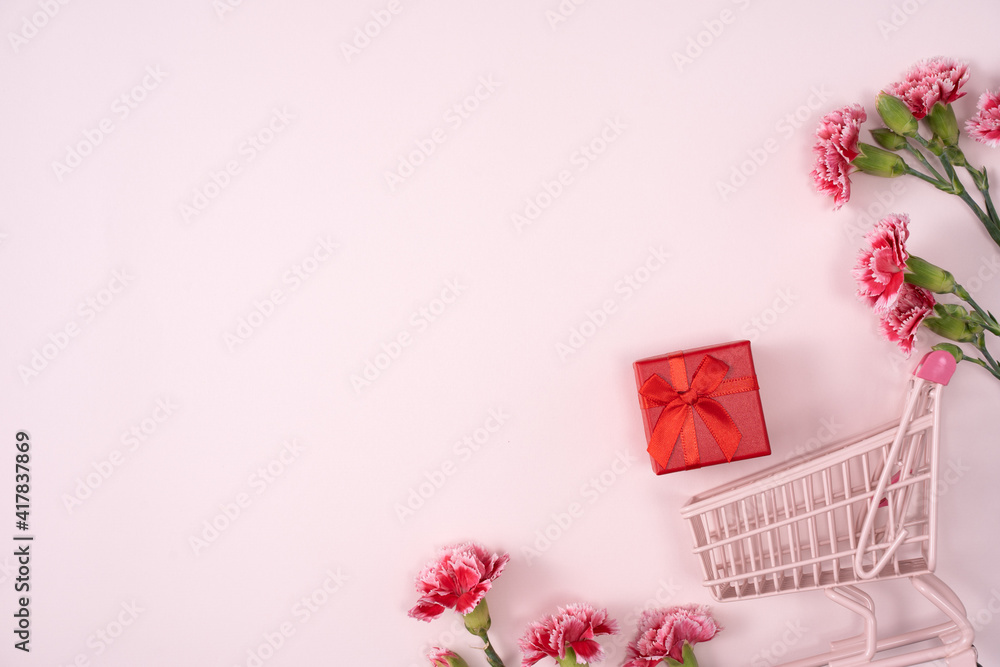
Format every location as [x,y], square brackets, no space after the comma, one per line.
[860,510]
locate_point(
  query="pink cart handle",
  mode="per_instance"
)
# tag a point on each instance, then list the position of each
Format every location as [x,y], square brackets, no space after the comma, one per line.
[936,366]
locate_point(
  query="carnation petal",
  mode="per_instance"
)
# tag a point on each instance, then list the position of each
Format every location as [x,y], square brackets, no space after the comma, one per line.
[457,579]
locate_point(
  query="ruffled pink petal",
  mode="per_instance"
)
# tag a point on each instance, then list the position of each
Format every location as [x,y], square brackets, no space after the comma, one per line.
[439,656]
[899,325]
[929,82]
[574,627]
[984,127]
[836,146]
[425,611]
[662,633]
[694,630]
[457,579]
[879,270]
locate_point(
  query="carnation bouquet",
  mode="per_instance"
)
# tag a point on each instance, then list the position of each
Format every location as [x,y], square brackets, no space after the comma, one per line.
[461,575]
[898,286]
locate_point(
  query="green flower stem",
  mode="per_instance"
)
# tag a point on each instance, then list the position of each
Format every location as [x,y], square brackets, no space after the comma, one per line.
[923,160]
[491,655]
[953,185]
[990,322]
[981,344]
[983,184]
[980,362]
[939,183]
[992,224]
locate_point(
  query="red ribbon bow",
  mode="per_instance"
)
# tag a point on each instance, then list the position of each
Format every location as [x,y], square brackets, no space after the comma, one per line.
[680,402]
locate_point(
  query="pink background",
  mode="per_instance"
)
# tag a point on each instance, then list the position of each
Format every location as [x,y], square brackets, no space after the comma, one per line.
[515,336]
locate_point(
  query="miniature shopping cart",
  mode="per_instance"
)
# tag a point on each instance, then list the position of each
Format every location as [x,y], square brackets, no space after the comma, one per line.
[864,509]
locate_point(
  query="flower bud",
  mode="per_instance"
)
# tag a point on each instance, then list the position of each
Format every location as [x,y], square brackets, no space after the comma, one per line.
[888,139]
[896,115]
[875,161]
[478,620]
[952,328]
[441,657]
[957,158]
[924,274]
[942,122]
[952,349]
[936,145]
[687,655]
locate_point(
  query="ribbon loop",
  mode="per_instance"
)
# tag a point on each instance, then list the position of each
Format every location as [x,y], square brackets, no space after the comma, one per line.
[680,403]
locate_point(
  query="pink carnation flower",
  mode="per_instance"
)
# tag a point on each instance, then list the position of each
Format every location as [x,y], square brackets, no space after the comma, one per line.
[457,579]
[836,146]
[879,269]
[899,324]
[662,633]
[442,657]
[929,82]
[984,127]
[572,627]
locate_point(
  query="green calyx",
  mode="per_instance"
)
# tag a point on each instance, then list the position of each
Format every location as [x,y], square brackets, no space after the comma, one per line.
[896,115]
[687,655]
[943,124]
[952,349]
[888,139]
[922,273]
[954,322]
[873,160]
[455,660]
[570,659]
[478,620]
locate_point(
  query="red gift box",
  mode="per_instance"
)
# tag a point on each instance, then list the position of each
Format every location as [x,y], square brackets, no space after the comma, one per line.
[701,407]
